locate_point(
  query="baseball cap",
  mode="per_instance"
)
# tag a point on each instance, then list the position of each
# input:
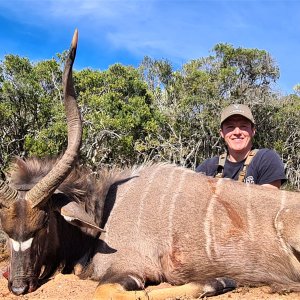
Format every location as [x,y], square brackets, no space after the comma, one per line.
[237,109]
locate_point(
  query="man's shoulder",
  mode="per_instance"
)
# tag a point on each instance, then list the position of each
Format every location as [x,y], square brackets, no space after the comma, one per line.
[266,154]
[266,167]
[208,165]
[211,161]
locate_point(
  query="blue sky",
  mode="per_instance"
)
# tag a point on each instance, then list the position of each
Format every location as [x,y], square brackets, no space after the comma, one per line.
[124,31]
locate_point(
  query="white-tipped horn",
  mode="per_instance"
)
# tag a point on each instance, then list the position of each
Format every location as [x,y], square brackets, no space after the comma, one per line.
[42,191]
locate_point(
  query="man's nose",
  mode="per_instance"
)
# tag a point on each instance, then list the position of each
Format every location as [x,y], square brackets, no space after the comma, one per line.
[237,130]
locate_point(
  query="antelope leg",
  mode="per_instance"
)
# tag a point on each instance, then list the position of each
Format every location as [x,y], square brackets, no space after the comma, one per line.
[115,291]
[216,286]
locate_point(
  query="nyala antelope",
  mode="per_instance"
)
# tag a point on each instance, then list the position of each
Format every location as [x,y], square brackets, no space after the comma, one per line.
[142,226]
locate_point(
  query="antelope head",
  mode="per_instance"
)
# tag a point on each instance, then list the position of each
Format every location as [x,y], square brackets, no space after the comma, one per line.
[24,214]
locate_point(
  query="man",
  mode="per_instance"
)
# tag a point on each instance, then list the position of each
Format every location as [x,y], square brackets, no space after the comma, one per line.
[262,166]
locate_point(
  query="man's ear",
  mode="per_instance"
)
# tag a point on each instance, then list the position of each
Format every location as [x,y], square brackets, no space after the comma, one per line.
[221,133]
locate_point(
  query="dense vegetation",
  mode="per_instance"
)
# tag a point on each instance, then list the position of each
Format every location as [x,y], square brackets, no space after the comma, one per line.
[153,112]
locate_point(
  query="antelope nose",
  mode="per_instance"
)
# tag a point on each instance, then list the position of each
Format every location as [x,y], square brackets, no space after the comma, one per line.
[19,289]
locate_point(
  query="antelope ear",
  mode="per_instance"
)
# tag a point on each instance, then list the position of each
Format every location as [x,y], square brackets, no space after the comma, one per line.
[74,214]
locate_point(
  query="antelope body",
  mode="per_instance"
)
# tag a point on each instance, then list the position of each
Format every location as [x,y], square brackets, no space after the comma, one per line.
[169,224]
[161,223]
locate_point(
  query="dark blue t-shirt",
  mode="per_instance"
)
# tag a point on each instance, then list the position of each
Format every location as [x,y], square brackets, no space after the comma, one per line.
[265,167]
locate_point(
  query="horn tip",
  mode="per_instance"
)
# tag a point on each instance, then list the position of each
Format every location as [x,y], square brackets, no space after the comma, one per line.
[75,39]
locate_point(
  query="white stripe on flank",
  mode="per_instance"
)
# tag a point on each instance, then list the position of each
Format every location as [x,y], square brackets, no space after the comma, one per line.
[145,196]
[168,187]
[278,224]
[23,246]
[209,219]
[249,211]
[176,195]
[282,199]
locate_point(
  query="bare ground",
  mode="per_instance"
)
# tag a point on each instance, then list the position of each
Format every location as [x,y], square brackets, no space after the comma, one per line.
[70,287]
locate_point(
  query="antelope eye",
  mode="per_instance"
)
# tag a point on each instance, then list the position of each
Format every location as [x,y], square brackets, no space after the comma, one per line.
[41,221]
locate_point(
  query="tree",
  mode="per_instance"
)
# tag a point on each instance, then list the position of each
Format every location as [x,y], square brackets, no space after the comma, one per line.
[245,71]
[152,113]
[119,118]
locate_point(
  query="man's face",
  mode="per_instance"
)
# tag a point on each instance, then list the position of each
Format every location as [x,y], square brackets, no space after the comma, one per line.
[237,131]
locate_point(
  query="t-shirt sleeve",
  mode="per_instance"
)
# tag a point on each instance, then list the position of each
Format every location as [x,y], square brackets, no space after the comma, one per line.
[269,167]
[202,168]
[208,167]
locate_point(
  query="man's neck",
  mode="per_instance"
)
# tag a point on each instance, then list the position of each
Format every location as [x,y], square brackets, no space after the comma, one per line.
[236,156]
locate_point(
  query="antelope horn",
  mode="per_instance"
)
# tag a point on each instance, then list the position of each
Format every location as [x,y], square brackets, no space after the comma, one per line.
[43,190]
[7,194]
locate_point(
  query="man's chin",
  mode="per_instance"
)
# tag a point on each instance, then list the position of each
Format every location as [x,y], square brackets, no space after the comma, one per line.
[238,149]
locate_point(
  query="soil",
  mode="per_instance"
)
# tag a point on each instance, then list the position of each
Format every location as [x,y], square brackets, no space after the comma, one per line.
[70,287]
